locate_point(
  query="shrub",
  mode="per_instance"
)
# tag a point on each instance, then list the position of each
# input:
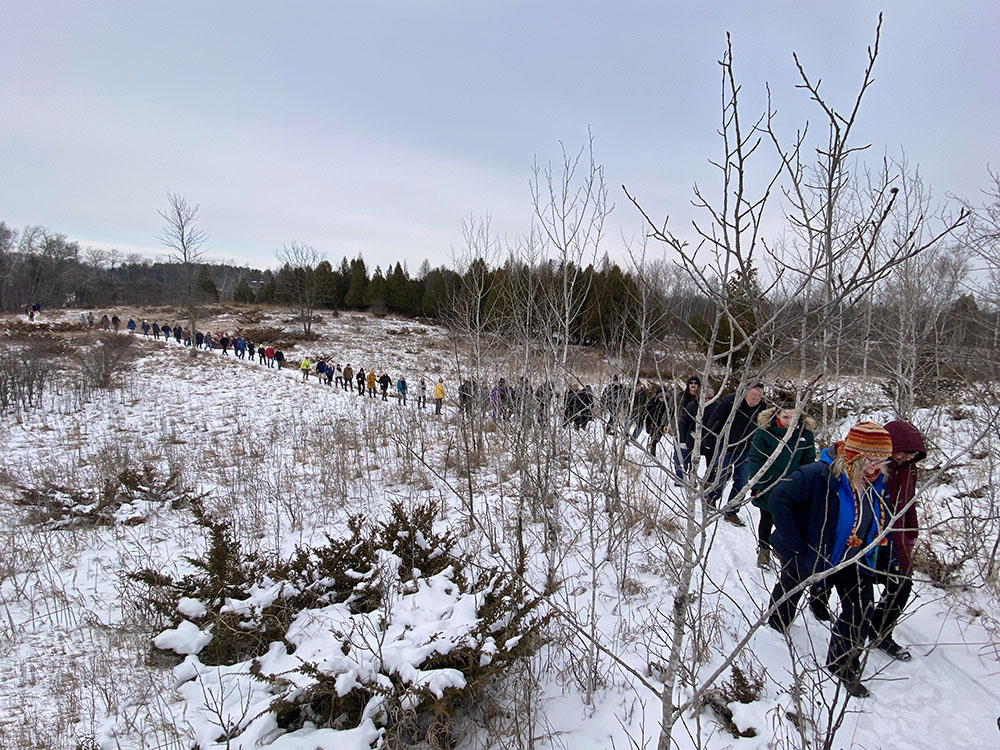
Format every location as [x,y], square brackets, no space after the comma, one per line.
[103,364]
[389,629]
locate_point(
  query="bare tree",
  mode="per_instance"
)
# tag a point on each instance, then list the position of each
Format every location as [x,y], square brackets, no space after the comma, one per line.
[186,239]
[298,281]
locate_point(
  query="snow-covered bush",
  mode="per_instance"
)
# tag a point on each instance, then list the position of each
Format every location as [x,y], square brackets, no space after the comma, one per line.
[386,632]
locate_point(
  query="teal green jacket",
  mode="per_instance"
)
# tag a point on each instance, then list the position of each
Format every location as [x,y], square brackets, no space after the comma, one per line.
[800,450]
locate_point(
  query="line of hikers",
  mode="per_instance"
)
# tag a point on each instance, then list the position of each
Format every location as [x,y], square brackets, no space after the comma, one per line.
[845,516]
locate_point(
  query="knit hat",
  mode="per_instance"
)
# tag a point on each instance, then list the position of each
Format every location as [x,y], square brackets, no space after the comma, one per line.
[865,438]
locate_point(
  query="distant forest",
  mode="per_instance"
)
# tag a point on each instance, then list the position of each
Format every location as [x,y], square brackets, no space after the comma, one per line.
[593,305]
[41,267]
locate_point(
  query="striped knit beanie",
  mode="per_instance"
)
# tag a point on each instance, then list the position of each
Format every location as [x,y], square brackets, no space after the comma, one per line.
[865,438]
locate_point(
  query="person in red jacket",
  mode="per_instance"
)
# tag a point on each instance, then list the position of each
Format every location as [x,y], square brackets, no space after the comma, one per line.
[895,564]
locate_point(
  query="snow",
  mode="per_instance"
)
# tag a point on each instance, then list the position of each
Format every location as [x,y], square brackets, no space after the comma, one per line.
[288,462]
[186,638]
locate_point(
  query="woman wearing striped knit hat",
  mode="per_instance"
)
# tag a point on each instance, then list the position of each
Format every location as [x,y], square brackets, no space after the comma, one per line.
[825,516]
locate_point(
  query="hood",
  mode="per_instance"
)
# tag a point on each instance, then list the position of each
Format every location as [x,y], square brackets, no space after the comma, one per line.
[765,418]
[906,438]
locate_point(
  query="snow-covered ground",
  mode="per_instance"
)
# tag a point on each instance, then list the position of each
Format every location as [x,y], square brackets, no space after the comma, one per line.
[288,462]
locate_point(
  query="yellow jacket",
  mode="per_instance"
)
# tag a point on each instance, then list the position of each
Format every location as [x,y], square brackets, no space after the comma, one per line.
[305,363]
[371,378]
[439,390]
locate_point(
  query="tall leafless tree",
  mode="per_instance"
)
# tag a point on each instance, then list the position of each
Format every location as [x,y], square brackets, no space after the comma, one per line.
[298,281]
[182,233]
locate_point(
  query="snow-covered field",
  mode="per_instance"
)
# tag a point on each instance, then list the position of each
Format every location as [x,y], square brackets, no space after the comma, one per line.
[289,462]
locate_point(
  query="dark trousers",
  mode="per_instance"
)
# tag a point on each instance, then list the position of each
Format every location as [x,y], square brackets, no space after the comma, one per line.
[898,588]
[764,527]
[853,626]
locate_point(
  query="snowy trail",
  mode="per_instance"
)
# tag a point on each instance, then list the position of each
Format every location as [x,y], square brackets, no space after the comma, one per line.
[206,410]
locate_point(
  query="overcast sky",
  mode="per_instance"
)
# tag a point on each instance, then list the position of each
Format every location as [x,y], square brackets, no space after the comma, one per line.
[376,127]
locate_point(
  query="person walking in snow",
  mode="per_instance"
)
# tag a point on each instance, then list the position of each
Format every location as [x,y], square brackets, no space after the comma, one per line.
[401,390]
[167,331]
[240,347]
[438,395]
[895,560]
[90,320]
[131,326]
[793,448]
[268,357]
[656,418]
[178,332]
[304,366]
[339,377]
[383,383]
[824,515]
[156,330]
[372,380]
[732,448]
[422,394]
[224,343]
[115,322]
[145,328]
[360,377]
[279,359]
[105,323]
[348,378]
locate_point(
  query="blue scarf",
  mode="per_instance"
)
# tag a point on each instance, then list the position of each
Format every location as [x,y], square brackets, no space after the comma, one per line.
[849,511]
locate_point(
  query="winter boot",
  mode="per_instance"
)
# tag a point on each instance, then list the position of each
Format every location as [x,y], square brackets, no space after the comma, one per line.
[889,646]
[763,557]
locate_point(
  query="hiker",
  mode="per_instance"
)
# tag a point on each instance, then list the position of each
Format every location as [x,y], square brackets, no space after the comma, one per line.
[279,359]
[824,515]
[383,383]
[401,390]
[208,341]
[90,320]
[371,383]
[269,356]
[733,447]
[682,447]
[348,378]
[240,347]
[156,330]
[251,350]
[145,328]
[360,377]
[793,448]
[339,379]
[304,366]
[224,343]
[167,330]
[422,394]
[178,330]
[656,418]
[329,374]
[584,411]
[614,400]
[893,563]
[438,395]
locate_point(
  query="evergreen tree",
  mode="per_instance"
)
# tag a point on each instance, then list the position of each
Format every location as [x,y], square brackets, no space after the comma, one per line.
[375,295]
[356,296]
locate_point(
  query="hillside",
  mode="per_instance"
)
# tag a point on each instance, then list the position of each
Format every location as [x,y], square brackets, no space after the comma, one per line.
[287,464]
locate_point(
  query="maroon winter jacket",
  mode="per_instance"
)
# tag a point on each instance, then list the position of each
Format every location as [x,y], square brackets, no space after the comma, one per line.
[902,488]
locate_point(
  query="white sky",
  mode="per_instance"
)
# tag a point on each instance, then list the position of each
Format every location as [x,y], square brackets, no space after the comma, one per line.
[376,127]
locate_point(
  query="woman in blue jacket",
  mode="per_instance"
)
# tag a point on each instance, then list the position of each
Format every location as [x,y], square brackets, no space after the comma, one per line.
[825,515]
